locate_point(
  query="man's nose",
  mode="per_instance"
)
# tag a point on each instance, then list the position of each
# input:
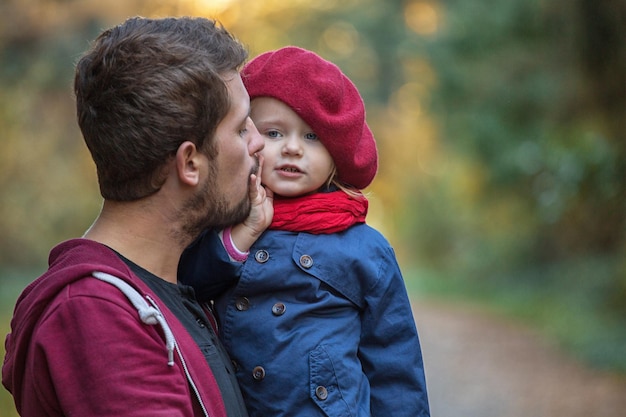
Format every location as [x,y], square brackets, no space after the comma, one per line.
[256,143]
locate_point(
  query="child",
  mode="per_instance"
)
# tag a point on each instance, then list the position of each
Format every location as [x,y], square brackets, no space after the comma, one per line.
[319,322]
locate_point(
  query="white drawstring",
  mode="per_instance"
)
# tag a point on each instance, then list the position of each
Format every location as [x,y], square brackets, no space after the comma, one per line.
[148,312]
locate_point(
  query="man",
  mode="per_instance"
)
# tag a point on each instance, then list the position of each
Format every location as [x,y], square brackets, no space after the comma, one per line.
[107,330]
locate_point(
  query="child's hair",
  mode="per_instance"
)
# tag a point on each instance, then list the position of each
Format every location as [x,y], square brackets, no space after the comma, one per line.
[326,100]
[348,189]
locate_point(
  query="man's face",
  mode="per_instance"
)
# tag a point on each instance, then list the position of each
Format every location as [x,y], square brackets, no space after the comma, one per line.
[223,197]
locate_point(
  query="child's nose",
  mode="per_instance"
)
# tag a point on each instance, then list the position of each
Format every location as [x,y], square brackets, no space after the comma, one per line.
[292,145]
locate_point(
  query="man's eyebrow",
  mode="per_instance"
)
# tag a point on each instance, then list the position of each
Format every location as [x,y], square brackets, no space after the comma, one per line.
[246,117]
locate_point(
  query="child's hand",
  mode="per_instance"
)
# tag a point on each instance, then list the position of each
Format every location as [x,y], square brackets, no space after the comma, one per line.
[262,200]
[261,213]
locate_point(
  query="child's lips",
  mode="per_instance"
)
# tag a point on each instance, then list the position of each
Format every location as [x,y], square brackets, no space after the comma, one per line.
[289,171]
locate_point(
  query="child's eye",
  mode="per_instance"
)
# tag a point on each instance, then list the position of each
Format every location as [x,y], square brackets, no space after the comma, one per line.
[272,134]
[243,132]
[311,136]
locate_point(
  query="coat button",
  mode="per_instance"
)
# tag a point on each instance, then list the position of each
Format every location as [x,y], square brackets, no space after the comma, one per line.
[242,304]
[278,309]
[306,261]
[321,393]
[258,373]
[261,256]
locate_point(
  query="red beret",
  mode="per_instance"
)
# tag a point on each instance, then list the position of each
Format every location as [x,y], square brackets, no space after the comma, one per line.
[326,100]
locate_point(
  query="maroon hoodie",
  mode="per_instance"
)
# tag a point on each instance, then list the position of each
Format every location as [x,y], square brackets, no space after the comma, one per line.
[78,347]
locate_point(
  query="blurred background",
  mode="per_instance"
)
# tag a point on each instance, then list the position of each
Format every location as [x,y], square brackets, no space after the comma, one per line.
[500,124]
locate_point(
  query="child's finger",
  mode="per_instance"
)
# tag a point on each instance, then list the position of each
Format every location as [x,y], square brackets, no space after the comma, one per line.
[256,189]
[260,170]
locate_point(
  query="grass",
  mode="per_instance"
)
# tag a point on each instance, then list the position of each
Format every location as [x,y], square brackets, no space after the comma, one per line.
[569,303]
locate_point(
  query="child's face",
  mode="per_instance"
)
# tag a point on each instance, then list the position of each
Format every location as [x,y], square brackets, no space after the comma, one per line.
[296,162]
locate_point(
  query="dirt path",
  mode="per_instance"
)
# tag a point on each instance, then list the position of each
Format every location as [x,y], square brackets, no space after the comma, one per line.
[478,365]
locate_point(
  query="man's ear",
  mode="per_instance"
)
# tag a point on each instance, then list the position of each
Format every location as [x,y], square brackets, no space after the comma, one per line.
[188,163]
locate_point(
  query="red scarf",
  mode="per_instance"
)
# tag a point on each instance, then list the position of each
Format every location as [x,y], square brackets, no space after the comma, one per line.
[320,213]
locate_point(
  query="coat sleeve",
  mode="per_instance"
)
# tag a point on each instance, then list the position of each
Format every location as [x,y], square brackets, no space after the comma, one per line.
[205,266]
[389,349]
[94,357]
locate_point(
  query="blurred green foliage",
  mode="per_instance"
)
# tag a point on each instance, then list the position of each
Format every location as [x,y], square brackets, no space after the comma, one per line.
[501,129]
[530,213]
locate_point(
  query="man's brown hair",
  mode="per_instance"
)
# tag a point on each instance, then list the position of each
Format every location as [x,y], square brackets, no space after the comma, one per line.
[144,88]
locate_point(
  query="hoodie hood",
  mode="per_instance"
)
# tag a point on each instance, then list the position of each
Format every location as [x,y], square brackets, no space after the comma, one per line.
[68,262]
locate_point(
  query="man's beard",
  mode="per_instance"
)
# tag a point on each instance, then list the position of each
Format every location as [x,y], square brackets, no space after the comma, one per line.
[209,210]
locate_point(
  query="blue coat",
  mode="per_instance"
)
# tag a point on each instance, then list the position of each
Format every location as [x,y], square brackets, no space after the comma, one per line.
[317,325]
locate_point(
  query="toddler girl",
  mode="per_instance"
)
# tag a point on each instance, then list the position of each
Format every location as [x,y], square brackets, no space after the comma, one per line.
[317,319]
